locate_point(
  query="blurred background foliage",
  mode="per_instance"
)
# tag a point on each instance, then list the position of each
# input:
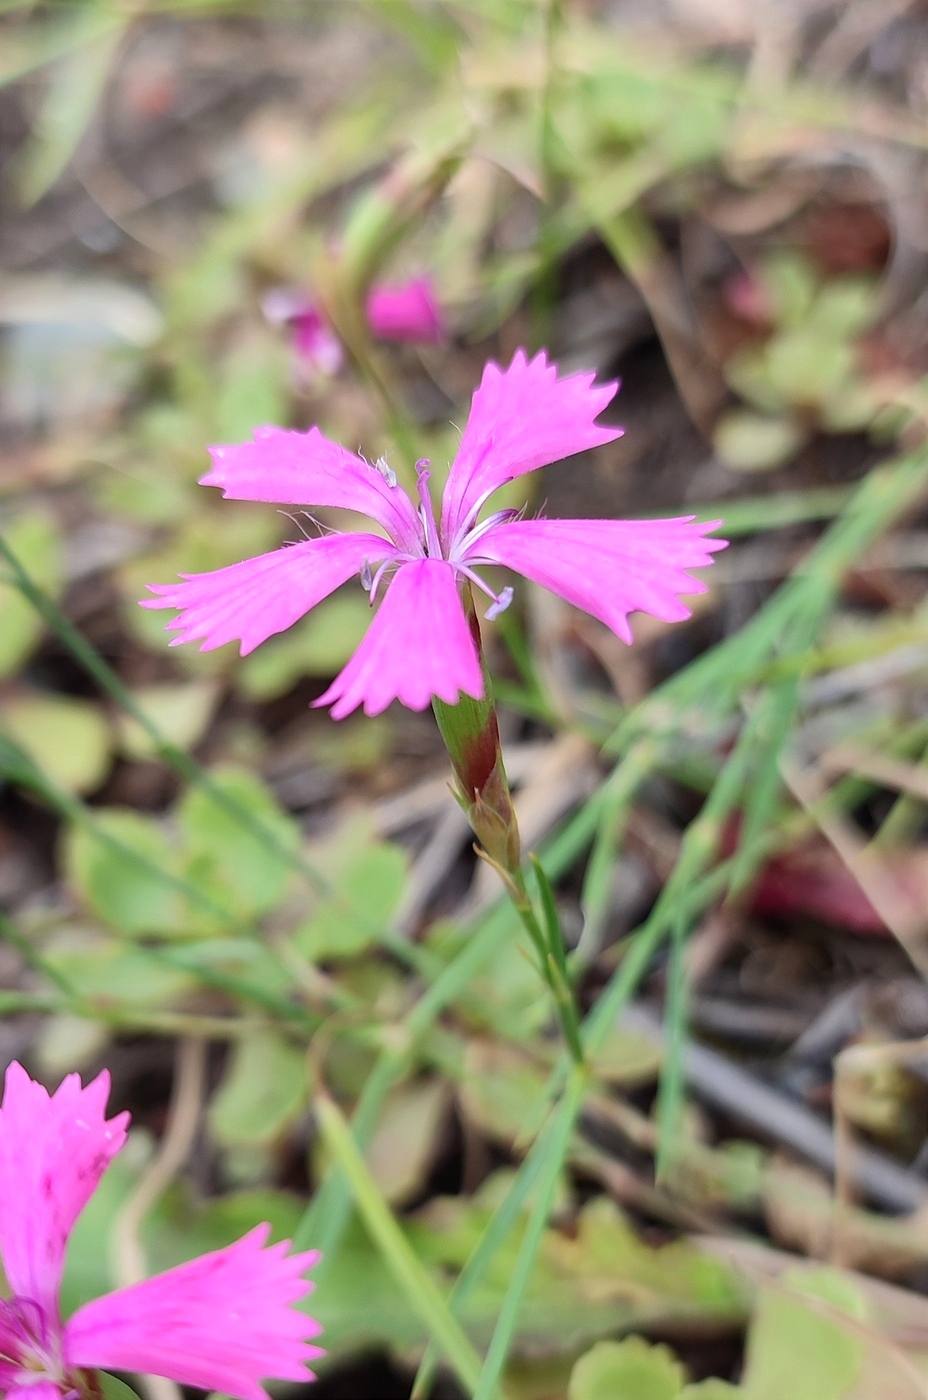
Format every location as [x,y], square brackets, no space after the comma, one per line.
[248,911]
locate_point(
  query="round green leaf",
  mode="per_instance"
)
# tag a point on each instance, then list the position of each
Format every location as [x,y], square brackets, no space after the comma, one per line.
[626,1370]
[117,865]
[752,442]
[33,537]
[69,739]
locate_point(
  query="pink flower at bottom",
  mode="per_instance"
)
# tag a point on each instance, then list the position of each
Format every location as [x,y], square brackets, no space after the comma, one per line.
[398,311]
[225,1321]
[419,644]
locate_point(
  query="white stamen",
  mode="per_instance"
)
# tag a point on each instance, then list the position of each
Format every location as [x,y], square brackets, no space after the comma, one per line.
[501,604]
[426,513]
[386,471]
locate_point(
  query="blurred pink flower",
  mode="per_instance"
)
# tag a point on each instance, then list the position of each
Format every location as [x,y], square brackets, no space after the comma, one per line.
[222,1322]
[401,311]
[405,311]
[419,644]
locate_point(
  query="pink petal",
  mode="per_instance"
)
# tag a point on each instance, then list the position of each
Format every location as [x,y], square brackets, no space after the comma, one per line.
[318,347]
[308,469]
[43,1390]
[608,568]
[521,418]
[53,1151]
[251,601]
[406,311]
[225,1321]
[418,646]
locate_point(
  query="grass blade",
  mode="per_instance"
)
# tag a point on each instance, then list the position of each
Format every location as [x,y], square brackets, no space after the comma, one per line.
[398,1254]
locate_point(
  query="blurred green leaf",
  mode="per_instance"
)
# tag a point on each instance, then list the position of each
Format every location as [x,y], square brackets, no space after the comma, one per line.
[76,84]
[111,974]
[129,896]
[696,130]
[222,852]
[805,367]
[264,1089]
[143,493]
[181,712]
[790,283]
[115,1389]
[68,738]
[252,388]
[628,109]
[34,45]
[750,442]
[627,1059]
[500,1090]
[64,1043]
[627,1370]
[406,1139]
[368,885]
[797,1350]
[359,1303]
[851,409]
[606,1245]
[748,374]
[844,307]
[34,538]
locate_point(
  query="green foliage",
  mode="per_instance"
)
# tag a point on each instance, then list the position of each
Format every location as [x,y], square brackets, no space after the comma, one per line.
[123,868]
[179,712]
[628,1370]
[263,1090]
[205,871]
[68,738]
[498,142]
[797,1349]
[367,879]
[806,371]
[246,875]
[34,539]
[115,1389]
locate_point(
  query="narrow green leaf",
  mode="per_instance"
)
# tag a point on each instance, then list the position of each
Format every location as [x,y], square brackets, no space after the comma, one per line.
[549,1176]
[395,1248]
[76,86]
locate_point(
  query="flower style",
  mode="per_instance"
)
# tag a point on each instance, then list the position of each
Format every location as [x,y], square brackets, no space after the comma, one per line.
[222,1322]
[401,311]
[420,643]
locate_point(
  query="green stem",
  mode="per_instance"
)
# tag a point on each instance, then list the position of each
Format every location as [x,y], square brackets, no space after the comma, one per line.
[397,1252]
[501,1341]
[551,962]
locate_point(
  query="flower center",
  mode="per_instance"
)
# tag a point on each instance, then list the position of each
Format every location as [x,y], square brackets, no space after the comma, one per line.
[27,1346]
[461,550]
[427,512]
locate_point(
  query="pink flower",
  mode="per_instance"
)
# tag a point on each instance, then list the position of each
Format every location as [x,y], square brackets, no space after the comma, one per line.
[401,311]
[405,311]
[419,644]
[222,1322]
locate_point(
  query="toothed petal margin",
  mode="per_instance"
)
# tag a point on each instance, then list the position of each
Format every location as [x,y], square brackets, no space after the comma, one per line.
[308,469]
[252,601]
[609,568]
[418,646]
[54,1148]
[225,1321]
[521,418]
